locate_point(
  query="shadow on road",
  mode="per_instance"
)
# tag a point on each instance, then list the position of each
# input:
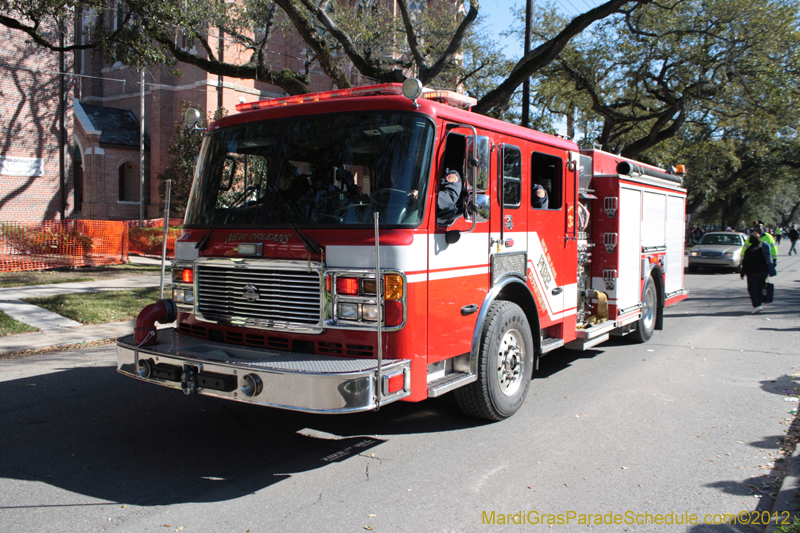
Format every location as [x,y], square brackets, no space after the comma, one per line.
[736,303]
[705,271]
[783,386]
[764,486]
[561,359]
[90,431]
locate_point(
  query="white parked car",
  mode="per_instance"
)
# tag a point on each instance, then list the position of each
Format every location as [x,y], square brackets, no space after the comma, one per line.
[722,249]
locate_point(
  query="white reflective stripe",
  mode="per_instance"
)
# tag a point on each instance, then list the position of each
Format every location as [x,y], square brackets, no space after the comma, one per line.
[459,273]
[417,278]
[411,258]
[556,306]
[471,250]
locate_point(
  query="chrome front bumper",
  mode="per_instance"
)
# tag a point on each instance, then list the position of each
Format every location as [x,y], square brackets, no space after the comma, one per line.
[719,262]
[287,380]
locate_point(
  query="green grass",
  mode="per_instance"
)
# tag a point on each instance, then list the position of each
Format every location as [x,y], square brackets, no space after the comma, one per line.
[46,277]
[9,326]
[101,307]
[793,527]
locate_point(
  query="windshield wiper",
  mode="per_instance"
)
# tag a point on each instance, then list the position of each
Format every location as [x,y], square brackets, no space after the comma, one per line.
[309,243]
[201,244]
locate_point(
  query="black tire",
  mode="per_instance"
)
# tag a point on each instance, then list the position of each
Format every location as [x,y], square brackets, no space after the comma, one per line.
[738,269]
[647,324]
[692,268]
[505,365]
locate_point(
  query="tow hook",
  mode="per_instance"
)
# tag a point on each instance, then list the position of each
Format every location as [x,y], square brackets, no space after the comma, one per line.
[189,380]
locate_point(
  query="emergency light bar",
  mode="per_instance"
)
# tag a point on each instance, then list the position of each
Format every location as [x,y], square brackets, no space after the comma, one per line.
[387,89]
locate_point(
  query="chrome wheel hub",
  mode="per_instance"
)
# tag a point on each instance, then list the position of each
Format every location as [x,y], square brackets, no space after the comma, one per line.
[649,311]
[510,362]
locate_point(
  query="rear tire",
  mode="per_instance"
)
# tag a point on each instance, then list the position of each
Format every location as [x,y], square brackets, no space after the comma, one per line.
[505,365]
[647,324]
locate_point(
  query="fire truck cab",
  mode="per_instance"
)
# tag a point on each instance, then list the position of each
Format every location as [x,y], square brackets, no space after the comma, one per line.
[348,249]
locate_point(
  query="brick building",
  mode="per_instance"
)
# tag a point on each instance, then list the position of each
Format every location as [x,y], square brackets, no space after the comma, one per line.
[36,178]
[89,167]
[111,89]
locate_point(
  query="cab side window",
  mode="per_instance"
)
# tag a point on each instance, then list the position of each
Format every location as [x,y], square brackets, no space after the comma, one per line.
[512,176]
[546,174]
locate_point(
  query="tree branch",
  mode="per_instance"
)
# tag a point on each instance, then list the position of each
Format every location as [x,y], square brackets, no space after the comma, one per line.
[312,37]
[545,53]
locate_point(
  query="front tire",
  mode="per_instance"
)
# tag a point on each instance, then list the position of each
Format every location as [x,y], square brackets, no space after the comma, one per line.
[647,324]
[505,365]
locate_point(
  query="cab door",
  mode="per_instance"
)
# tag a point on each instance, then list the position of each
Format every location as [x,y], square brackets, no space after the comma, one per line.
[457,256]
[509,217]
[546,233]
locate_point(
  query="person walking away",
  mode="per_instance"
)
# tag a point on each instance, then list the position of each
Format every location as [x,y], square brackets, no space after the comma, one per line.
[756,265]
[793,236]
[778,234]
[765,237]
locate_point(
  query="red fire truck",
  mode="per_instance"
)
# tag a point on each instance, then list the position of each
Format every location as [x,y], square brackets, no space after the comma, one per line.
[348,249]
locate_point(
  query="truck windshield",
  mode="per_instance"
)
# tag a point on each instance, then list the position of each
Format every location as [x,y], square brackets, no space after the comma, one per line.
[320,171]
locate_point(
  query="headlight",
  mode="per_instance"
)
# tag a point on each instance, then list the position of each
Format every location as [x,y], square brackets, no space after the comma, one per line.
[728,255]
[370,312]
[694,254]
[348,311]
[353,295]
[183,296]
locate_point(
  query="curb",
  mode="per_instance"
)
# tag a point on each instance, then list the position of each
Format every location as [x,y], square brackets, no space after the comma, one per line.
[786,503]
[68,336]
[64,336]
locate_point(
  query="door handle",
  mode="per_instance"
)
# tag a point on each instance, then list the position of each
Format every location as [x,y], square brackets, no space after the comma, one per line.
[556,291]
[469,309]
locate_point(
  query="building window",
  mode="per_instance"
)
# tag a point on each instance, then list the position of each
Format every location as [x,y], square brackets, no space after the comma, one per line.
[128,183]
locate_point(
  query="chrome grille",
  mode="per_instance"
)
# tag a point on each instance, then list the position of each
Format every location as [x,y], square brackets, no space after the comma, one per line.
[284,297]
[711,254]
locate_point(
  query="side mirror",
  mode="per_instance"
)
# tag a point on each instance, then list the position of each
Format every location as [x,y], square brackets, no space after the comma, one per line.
[481,209]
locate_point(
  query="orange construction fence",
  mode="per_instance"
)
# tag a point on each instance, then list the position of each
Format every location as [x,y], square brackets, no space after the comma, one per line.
[148,240]
[62,243]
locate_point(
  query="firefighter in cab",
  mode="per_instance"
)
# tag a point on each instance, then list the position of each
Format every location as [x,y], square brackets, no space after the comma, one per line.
[539,198]
[448,200]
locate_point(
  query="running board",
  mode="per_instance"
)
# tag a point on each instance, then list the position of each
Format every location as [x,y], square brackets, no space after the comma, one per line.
[551,343]
[449,382]
[585,344]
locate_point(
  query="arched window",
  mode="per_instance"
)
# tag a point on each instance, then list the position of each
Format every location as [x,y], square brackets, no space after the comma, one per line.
[128,183]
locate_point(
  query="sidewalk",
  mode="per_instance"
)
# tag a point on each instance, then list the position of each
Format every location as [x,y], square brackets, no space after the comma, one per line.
[56,330]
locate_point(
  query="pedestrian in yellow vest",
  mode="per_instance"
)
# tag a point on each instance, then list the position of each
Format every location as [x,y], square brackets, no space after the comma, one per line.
[766,238]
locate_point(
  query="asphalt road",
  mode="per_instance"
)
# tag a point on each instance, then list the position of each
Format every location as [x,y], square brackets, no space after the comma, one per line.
[686,424]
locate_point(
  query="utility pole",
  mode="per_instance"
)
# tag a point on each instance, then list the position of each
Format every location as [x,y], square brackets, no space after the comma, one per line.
[141,149]
[526,85]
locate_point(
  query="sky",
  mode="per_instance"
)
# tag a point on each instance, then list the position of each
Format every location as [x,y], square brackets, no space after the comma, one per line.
[498,15]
